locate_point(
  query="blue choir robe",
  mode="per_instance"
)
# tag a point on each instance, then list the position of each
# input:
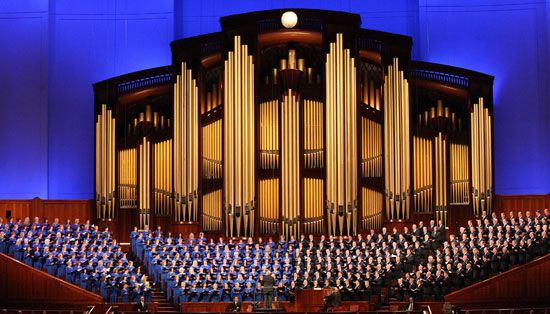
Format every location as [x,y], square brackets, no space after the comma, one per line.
[176,294]
[4,246]
[181,295]
[70,273]
[226,295]
[112,290]
[248,294]
[258,296]
[148,294]
[29,259]
[17,251]
[83,283]
[61,269]
[236,292]
[194,294]
[136,295]
[170,287]
[104,291]
[205,295]
[50,266]
[281,293]
[215,295]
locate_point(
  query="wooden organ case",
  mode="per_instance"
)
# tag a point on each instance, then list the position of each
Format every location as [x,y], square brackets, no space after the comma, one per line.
[313,127]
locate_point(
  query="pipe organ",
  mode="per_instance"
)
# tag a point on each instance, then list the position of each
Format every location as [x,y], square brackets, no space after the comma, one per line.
[238,155]
[322,128]
[212,150]
[371,148]
[396,143]
[341,119]
[459,174]
[372,209]
[269,135]
[212,213]
[186,145]
[441,178]
[482,158]
[162,180]
[269,206]
[127,178]
[105,129]
[144,183]
[290,179]
[313,134]
[422,173]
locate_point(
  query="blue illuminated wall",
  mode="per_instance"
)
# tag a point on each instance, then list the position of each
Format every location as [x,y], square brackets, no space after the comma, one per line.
[53,51]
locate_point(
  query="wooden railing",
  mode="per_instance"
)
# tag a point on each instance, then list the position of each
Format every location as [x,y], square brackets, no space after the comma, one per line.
[524,310]
[22,284]
[526,285]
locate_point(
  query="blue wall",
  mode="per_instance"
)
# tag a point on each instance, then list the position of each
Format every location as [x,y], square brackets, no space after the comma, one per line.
[53,51]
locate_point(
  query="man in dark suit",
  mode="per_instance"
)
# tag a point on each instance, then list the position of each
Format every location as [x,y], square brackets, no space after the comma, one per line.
[268,283]
[235,306]
[141,306]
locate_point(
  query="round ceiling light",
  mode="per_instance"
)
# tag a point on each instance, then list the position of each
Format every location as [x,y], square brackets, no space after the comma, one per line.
[289,19]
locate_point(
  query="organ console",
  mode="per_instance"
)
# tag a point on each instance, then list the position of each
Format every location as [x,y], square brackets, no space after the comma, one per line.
[317,128]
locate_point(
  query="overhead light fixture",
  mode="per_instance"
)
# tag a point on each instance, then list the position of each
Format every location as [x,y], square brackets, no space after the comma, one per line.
[289,19]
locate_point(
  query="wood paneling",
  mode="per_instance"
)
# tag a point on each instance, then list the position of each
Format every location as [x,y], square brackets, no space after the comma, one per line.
[526,285]
[50,209]
[185,228]
[515,203]
[21,284]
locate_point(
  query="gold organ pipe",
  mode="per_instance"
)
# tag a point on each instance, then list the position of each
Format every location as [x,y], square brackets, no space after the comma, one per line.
[239,141]
[268,132]
[481,158]
[441,180]
[371,208]
[269,203]
[290,164]
[313,205]
[212,219]
[396,141]
[341,148]
[186,128]
[105,160]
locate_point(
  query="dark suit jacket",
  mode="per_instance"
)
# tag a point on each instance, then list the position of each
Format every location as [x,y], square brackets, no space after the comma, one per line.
[141,307]
[234,307]
[268,282]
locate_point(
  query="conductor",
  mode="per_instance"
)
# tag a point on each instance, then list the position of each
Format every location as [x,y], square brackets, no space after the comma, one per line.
[268,282]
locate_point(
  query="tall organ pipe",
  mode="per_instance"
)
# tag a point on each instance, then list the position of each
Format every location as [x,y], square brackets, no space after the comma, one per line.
[341,126]
[396,143]
[238,154]
[482,158]
[105,156]
[186,162]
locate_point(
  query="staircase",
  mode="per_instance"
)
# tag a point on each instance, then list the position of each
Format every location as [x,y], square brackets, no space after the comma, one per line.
[163,304]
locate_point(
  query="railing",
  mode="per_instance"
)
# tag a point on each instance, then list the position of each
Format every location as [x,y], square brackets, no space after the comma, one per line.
[440,77]
[41,311]
[527,310]
[144,82]
[320,312]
